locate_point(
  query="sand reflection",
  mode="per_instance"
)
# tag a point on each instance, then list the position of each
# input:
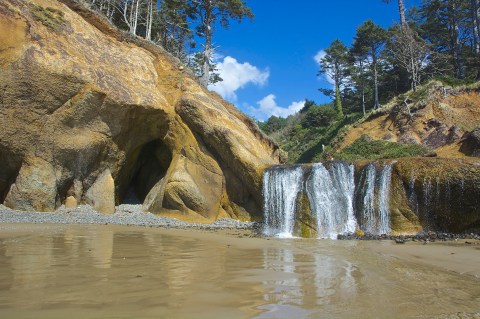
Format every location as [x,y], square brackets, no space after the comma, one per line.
[77,271]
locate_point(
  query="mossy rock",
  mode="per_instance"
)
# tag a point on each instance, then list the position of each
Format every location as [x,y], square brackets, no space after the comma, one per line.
[305,222]
[49,17]
[443,193]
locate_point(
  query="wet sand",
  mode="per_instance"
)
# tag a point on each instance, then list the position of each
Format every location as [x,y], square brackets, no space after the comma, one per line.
[95,271]
[462,256]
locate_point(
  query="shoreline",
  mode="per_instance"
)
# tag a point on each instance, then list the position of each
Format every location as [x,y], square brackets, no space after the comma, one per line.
[135,216]
[127,215]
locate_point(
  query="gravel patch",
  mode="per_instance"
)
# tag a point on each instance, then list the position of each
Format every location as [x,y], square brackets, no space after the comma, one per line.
[131,215]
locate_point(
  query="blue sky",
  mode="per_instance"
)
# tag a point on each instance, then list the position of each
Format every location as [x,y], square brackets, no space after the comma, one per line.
[268,64]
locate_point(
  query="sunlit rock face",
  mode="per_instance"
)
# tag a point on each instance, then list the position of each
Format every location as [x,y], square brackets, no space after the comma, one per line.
[90,114]
[390,197]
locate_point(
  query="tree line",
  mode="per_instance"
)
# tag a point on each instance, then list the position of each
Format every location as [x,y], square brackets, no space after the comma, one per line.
[185,28]
[437,39]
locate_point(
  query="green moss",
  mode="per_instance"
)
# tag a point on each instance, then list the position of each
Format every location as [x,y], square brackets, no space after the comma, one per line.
[366,149]
[49,17]
[305,222]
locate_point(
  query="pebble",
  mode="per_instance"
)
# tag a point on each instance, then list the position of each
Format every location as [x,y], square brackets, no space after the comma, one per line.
[130,215]
[425,237]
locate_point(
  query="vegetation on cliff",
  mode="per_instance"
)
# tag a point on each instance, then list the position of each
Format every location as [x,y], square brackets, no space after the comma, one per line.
[185,28]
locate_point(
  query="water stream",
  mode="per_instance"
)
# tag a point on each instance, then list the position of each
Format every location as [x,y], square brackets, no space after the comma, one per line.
[281,188]
[338,204]
[330,193]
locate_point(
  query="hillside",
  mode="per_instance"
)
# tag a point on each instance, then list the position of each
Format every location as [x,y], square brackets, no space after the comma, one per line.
[436,120]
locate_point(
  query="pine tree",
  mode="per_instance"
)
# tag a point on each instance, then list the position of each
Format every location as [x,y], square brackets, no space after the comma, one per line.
[335,64]
[371,38]
[209,13]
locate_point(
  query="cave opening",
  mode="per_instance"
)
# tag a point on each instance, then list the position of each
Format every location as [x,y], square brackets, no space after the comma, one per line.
[148,165]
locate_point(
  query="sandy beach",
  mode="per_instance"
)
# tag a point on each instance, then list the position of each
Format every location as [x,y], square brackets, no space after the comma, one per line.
[117,271]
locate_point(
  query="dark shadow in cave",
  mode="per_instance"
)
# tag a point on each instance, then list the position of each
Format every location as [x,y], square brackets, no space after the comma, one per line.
[151,162]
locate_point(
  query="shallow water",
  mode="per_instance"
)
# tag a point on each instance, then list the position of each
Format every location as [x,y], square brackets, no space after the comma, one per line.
[121,272]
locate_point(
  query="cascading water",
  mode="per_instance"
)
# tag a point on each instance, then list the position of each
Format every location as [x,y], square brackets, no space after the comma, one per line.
[330,193]
[367,192]
[383,200]
[374,190]
[281,186]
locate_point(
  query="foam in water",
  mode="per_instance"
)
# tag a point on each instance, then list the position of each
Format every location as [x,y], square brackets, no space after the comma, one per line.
[368,193]
[374,189]
[281,187]
[383,200]
[330,193]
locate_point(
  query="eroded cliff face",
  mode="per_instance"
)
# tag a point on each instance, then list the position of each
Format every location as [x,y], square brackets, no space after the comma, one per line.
[89,115]
[443,119]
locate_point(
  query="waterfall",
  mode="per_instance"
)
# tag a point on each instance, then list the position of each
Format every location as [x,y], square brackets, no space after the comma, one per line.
[367,191]
[383,200]
[330,193]
[281,186]
[374,192]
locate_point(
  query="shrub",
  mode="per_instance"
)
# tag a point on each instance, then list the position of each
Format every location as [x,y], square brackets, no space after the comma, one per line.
[366,149]
[319,116]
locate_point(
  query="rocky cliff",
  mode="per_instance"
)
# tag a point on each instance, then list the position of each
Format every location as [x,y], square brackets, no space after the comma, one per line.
[91,115]
[443,119]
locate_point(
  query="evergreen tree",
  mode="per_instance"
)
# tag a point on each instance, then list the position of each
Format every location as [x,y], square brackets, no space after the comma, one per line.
[335,64]
[445,24]
[371,38]
[171,28]
[359,72]
[209,13]
[401,11]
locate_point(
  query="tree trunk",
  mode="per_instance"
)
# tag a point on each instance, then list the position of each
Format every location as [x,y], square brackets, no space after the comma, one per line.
[375,79]
[126,19]
[338,101]
[136,17]
[207,53]
[148,33]
[206,61]
[455,41]
[475,7]
[401,10]
[363,101]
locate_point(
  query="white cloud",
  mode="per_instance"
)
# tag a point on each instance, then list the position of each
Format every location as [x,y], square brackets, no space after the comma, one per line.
[236,75]
[318,57]
[268,107]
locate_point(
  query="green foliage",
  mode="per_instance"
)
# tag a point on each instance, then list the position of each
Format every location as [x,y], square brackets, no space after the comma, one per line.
[49,17]
[308,104]
[273,124]
[318,116]
[370,38]
[366,149]
[338,103]
[335,64]
[454,82]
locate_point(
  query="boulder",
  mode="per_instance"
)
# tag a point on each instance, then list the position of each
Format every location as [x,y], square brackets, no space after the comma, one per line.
[101,195]
[471,143]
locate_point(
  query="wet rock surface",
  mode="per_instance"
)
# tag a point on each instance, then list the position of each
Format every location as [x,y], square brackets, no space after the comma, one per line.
[425,237]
